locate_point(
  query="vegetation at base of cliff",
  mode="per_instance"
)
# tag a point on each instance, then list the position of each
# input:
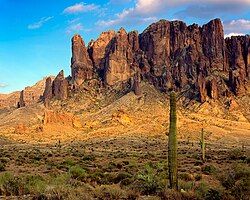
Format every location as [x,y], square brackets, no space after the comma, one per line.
[115,169]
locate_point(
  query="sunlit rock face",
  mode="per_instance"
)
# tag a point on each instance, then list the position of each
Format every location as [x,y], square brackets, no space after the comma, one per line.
[60,87]
[168,54]
[81,64]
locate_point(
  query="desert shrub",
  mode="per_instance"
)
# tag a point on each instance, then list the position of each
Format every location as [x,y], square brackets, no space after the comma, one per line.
[209,169]
[4,160]
[133,194]
[96,176]
[149,181]
[198,177]
[88,158]
[169,194]
[34,184]
[213,194]
[2,167]
[201,190]
[77,172]
[186,185]
[122,176]
[107,192]
[247,160]
[237,181]
[11,185]
[236,154]
[186,176]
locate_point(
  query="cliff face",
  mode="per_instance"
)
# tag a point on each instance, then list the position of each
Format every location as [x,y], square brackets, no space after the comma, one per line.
[170,55]
[181,55]
[81,65]
[238,55]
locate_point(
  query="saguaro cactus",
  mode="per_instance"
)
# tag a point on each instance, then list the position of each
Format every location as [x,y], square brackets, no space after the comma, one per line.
[203,145]
[172,144]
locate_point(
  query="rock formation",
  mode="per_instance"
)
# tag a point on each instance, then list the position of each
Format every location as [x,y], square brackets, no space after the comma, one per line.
[98,50]
[21,102]
[169,54]
[119,62]
[60,87]
[81,65]
[238,54]
[48,93]
[30,95]
[137,85]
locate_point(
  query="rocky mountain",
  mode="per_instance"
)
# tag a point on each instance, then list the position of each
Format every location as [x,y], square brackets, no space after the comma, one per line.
[119,84]
[168,54]
[28,96]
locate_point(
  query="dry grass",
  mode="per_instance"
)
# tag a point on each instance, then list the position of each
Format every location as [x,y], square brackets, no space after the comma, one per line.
[120,168]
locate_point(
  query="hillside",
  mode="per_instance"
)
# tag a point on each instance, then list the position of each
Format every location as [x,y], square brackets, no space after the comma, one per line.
[94,115]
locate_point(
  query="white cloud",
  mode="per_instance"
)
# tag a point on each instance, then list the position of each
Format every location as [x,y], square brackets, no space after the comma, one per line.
[79,8]
[74,28]
[232,34]
[242,25]
[143,11]
[40,23]
[2,85]
[119,2]
[193,8]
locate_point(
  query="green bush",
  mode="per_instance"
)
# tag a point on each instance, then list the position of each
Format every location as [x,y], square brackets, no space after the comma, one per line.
[76,172]
[237,181]
[201,190]
[34,184]
[213,194]
[11,185]
[149,181]
[209,169]
[121,176]
[186,177]
[236,154]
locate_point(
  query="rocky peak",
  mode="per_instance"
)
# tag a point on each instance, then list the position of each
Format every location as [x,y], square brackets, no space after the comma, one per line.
[119,62]
[98,49]
[213,44]
[170,55]
[81,64]
[60,87]
[21,102]
[48,93]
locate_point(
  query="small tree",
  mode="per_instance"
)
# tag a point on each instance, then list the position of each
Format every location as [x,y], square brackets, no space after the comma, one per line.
[172,144]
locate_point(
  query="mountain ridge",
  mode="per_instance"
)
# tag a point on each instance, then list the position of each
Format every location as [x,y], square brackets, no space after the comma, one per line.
[119,84]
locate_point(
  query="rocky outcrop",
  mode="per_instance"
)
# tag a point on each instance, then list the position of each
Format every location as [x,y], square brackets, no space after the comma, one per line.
[68,119]
[137,84]
[177,53]
[81,64]
[238,54]
[168,54]
[60,87]
[119,62]
[213,44]
[48,93]
[21,102]
[30,95]
[98,50]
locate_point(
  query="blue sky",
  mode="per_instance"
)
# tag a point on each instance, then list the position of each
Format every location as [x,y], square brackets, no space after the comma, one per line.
[35,34]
